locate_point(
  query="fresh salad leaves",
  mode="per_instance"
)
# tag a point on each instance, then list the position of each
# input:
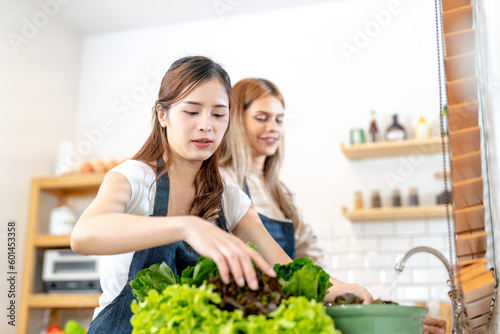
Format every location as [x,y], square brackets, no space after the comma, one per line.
[350,299]
[264,300]
[191,309]
[200,272]
[181,309]
[157,277]
[302,278]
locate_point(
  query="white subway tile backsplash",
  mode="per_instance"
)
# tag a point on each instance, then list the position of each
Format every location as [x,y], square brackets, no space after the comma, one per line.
[367,276]
[399,244]
[363,244]
[433,261]
[400,278]
[366,254]
[429,275]
[413,293]
[430,241]
[347,229]
[379,260]
[437,226]
[380,291]
[439,292]
[379,228]
[334,263]
[341,275]
[332,246]
[350,261]
[413,227]
[416,260]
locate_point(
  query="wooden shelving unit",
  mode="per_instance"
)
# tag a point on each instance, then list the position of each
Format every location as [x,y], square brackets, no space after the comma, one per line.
[391,149]
[398,213]
[63,187]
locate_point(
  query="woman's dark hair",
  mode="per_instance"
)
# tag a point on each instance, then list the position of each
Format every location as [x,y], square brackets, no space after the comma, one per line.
[185,75]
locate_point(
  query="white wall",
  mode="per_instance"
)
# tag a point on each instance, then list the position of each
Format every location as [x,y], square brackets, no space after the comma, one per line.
[38,89]
[326,95]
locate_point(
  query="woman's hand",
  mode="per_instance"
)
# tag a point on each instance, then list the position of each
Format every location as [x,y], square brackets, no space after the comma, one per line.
[231,255]
[339,288]
[434,326]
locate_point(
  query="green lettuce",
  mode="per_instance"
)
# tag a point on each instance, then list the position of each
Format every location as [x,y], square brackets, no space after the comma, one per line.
[182,309]
[302,278]
[200,273]
[157,277]
[190,309]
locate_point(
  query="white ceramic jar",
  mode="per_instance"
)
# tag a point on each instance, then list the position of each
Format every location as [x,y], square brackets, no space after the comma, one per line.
[62,220]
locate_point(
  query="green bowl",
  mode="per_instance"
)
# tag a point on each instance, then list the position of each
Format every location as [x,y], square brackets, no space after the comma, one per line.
[377,319]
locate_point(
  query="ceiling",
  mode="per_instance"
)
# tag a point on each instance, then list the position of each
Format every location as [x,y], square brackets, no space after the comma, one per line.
[98,16]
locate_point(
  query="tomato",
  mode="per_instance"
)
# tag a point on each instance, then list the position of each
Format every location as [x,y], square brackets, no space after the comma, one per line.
[55,329]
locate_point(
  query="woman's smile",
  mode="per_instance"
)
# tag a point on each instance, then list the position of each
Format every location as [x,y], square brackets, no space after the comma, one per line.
[270,141]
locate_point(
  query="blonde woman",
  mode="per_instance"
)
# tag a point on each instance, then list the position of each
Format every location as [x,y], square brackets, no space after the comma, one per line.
[251,157]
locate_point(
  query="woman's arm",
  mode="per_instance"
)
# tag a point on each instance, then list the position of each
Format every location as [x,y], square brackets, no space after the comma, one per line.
[104,228]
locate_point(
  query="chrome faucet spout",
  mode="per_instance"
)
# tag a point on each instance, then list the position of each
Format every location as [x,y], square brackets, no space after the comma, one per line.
[400,265]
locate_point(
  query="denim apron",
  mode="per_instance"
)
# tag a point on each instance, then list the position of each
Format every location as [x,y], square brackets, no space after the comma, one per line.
[281,231]
[115,318]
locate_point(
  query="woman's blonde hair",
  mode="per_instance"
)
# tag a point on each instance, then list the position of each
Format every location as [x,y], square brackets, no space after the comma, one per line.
[236,150]
[185,75]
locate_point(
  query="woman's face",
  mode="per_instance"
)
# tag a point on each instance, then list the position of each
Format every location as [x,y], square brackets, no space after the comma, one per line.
[196,124]
[264,125]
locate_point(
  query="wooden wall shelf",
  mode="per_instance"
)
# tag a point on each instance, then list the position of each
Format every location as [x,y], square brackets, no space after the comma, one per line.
[77,184]
[51,241]
[392,149]
[53,300]
[398,213]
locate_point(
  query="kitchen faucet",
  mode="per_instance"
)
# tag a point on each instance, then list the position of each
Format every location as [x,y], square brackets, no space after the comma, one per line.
[400,265]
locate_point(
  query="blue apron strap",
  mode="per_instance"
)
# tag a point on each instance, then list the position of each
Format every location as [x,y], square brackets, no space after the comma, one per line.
[162,191]
[282,232]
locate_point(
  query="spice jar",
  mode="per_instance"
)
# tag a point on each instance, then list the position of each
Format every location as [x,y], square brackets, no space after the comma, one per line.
[358,200]
[414,197]
[396,198]
[376,203]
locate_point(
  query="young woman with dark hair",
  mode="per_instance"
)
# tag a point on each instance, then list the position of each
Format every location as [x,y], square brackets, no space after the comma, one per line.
[169,203]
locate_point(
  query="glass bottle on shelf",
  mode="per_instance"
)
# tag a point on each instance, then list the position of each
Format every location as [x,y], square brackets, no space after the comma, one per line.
[373,128]
[376,203]
[422,129]
[396,198]
[358,200]
[414,197]
[396,131]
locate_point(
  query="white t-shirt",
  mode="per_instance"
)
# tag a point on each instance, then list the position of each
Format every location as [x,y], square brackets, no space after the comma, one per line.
[115,268]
